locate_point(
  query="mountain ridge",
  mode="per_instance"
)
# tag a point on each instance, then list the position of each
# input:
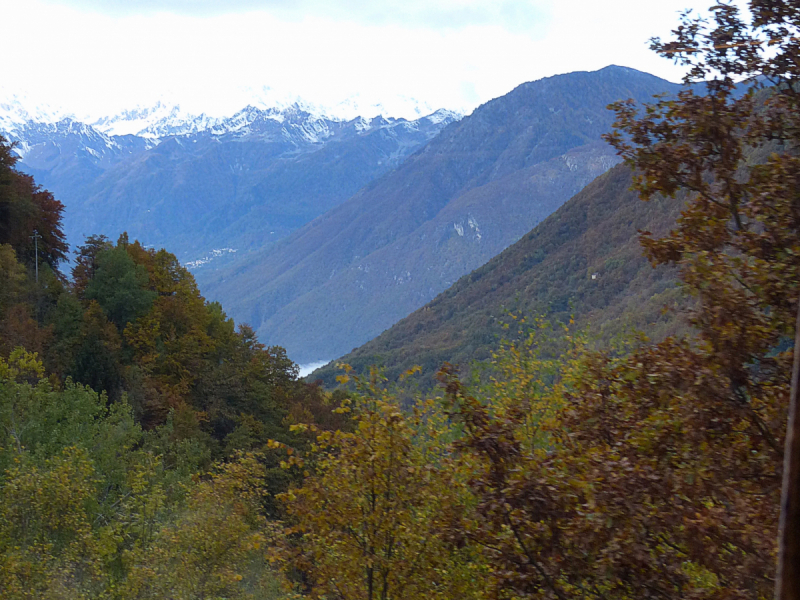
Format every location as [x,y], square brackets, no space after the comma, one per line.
[114,183]
[584,260]
[292,287]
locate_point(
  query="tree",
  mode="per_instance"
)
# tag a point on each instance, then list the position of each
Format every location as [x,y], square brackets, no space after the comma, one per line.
[93,507]
[368,517]
[96,353]
[660,477]
[214,547]
[12,278]
[738,240]
[24,207]
[119,285]
[86,261]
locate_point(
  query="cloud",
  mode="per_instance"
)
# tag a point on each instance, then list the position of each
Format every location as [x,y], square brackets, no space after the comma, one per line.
[518,16]
[457,54]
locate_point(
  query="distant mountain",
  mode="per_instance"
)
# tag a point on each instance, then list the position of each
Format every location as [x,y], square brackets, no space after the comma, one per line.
[246,182]
[477,187]
[18,110]
[202,186]
[157,121]
[583,260]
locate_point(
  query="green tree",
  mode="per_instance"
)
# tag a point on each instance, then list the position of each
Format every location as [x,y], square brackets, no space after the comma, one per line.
[86,262]
[93,507]
[12,278]
[97,354]
[120,286]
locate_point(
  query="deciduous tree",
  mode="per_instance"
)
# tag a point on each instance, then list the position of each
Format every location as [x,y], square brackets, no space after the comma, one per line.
[661,475]
[369,515]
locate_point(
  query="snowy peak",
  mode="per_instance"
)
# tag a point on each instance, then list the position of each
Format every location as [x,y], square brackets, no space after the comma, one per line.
[297,122]
[300,121]
[39,144]
[16,111]
[155,122]
[442,116]
[43,135]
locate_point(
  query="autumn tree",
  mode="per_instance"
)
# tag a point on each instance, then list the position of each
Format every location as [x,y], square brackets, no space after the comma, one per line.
[91,506]
[660,477]
[24,207]
[215,546]
[737,242]
[366,521]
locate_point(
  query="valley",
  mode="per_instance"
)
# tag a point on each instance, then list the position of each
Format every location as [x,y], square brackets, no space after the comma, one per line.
[478,186]
[201,184]
[539,349]
[322,233]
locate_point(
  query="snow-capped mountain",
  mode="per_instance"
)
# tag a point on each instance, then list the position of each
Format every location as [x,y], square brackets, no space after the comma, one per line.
[296,120]
[165,119]
[195,183]
[43,134]
[16,111]
[157,121]
[42,142]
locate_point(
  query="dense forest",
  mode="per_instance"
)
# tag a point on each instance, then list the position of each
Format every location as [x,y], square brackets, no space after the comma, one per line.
[150,449]
[119,387]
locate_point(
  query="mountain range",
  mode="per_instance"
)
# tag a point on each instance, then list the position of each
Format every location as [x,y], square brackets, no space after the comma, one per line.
[478,186]
[319,232]
[202,186]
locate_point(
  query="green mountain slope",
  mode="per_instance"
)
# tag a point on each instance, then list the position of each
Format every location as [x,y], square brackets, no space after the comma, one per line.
[583,259]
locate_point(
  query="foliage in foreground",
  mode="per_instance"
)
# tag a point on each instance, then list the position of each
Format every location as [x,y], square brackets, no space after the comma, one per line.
[366,522]
[93,507]
[663,475]
[655,472]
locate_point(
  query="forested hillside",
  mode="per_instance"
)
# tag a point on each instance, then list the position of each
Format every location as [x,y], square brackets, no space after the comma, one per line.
[119,388]
[131,321]
[150,449]
[477,187]
[584,261]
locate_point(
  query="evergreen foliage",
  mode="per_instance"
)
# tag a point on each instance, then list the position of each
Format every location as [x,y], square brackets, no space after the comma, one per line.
[120,287]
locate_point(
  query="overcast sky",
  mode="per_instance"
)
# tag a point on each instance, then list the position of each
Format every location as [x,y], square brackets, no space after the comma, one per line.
[95,57]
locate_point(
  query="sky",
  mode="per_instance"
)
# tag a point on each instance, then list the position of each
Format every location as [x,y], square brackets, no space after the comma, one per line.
[400,57]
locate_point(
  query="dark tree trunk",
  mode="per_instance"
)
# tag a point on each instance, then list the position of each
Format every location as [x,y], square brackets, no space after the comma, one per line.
[788,580]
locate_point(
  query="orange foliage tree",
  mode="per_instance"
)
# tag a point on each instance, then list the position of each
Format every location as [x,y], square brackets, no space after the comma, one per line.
[660,477]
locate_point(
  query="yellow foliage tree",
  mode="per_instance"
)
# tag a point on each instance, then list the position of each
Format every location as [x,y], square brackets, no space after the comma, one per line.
[214,548]
[366,524]
[47,550]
